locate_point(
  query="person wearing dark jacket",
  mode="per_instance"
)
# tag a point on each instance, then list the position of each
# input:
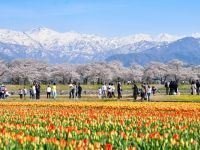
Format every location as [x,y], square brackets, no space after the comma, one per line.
[135,91]
[119,90]
[171,89]
[142,92]
[176,87]
[197,86]
[37,87]
[79,90]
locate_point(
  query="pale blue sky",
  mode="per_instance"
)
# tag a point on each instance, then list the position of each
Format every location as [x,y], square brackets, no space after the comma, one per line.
[103,17]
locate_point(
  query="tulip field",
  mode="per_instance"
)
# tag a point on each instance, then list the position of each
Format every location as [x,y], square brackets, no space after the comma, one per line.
[99,125]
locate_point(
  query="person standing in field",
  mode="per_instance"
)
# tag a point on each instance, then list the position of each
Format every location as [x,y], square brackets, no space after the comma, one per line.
[34,92]
[113,90]
[109,91]
[135,91]
[119,90]
[145,91]
[167,87]
[5,91]
[176,87]
[31,92]
[100,93]
[142,93]
[48,92]
[54,91]
[2,91]
[75,90]
[79,90]
[20,92]
[149,90]
[198,86]
[153,89]
[37,91]
[104,91]
[24,92]
[193,87]
[71,91]
[171,91]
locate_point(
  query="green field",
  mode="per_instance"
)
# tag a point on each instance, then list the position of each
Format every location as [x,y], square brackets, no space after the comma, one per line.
[93,95]
[92,87]
[157,98]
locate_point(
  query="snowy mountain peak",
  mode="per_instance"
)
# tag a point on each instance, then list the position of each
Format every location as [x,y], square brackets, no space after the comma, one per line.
[16,37]
[164,37]
[40,30]
[196,35]
[142,37]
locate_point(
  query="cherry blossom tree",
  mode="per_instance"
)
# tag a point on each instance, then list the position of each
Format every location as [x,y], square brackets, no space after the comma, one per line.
[64,73]
[137,72]
[25,71]
[155,71]
[3,70]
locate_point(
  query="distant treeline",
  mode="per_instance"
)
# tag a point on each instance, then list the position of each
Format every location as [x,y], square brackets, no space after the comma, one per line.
[25,71]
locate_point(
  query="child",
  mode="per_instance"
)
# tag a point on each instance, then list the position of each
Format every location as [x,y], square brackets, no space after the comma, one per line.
[154,90]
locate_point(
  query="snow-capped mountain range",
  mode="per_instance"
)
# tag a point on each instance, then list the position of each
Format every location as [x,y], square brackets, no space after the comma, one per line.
[73,47]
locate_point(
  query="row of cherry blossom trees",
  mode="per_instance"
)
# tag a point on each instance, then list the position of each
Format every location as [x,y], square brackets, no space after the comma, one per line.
[26,71]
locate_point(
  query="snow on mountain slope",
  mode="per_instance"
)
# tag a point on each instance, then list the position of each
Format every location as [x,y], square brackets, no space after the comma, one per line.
[14,37]
[196,35]
[186,49]
[73,47]
[164,37]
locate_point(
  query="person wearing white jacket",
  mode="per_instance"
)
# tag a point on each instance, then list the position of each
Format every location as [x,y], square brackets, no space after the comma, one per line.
[104,91]
[48,92]
[34,91]
[149,90]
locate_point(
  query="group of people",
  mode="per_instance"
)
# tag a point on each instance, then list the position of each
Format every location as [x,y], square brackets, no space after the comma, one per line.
[22,93]
[35,91]
[75,90]
[145,91]
[51,91]
[108,91]
[195,87]
[3,92]
[171,88]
